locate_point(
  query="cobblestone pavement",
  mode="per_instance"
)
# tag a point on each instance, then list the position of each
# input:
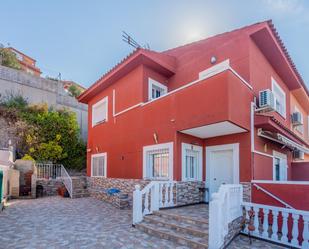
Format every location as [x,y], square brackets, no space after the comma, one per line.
[54,222]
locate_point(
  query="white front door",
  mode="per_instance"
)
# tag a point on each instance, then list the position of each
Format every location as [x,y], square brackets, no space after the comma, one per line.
[222,166]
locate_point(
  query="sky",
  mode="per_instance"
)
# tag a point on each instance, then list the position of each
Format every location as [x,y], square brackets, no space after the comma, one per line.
[82,39]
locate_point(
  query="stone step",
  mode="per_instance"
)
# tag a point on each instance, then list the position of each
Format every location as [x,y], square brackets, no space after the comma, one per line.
[179,237]
[80,195]
[184,227]
[202,222]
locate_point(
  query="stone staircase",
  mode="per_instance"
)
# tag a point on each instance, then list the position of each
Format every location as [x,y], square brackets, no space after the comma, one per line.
[185,230]
[79,187]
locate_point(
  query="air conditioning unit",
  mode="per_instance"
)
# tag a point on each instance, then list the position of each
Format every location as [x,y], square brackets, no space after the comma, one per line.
[266,101]
[298,155]
[297,119]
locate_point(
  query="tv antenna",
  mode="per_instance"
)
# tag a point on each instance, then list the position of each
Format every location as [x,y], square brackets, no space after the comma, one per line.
[129,39]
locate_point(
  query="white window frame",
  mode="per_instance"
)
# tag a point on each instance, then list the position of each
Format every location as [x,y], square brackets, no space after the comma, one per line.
[152,82]
[147,149]
[199,169]
[274,86]
[93,122]
[283,163]
[299,128]
[105,163]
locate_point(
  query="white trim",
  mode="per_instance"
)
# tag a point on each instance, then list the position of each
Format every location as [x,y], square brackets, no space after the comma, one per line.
[273,85]
[283,158]
[209,149]
[281,182]
[170,148]
[105,163]
[214,70]
[199,170]
[184,87]
[152,82]
[105,99]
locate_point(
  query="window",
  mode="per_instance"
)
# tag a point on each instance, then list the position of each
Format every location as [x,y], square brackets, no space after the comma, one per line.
[299,128]
[191,162]
[155,89]
[279,166]
[99,112]
[279,97]
[98,165]
[158,161]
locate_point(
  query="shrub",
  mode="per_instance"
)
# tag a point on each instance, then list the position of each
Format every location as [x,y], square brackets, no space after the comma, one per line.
[27,158]
[50,134]
[9,59]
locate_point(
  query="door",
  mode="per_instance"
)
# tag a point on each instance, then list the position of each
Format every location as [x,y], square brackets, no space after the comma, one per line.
[222,167]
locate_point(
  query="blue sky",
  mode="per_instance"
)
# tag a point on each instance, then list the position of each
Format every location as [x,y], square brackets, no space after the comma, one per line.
[82,39]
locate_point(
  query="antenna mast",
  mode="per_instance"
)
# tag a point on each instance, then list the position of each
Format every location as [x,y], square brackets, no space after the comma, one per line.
[129,39]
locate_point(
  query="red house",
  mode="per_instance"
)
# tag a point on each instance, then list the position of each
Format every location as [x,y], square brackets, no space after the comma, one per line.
[227,109]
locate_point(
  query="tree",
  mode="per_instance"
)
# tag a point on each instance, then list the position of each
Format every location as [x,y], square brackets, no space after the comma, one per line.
[8,59]
[74,91]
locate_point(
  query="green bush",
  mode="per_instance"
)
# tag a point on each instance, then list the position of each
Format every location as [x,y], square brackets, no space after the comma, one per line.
[9,59]
[51,135]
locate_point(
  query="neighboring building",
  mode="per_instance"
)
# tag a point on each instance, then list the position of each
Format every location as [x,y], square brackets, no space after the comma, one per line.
[40,90]
[228,109]
[27,63]
[68,83]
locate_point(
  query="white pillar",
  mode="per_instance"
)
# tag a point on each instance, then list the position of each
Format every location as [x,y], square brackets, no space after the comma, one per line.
[137,205]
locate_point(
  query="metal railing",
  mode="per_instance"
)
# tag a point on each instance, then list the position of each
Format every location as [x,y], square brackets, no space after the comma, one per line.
[281,225]
[272,196]
[51,171]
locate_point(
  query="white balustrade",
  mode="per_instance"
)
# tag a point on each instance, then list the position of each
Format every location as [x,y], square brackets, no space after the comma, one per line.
[284,225]
[157,194]
[226,206]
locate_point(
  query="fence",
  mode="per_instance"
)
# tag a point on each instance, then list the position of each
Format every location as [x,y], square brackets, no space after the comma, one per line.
[280,225]
[157,194]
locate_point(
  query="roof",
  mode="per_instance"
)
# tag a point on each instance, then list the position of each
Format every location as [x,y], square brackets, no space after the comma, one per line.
[165,64]
[259,32]
[22,53]
[269,122]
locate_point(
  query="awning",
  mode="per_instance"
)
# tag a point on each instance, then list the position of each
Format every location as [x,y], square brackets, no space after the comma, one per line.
[279,138]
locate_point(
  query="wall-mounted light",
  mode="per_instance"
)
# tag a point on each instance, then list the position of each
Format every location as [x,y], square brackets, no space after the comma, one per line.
[213,59]
[97,149]
[155,137]
[88,150]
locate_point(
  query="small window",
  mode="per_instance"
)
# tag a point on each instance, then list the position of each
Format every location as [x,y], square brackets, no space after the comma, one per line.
[156,89]
[279,167]
[99,112]
[300,128]
[191,162]
[158,161]
[98,165]
[280,99]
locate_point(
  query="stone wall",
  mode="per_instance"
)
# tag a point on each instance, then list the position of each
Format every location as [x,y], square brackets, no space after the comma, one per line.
[97,187]
[50,187]
[187,192]
[234,229]
[37,90]
[190,193]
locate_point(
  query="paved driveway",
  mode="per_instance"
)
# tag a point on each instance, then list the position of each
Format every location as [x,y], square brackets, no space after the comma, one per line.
[55,222]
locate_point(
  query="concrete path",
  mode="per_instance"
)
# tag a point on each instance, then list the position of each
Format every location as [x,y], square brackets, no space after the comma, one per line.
[55,222]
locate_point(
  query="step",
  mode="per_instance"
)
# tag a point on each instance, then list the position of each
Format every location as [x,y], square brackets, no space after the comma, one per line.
[184,227]
[80,195]
[175,236]
[170,216]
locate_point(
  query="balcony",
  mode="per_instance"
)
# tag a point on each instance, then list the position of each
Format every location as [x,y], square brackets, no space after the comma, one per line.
[218,105]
